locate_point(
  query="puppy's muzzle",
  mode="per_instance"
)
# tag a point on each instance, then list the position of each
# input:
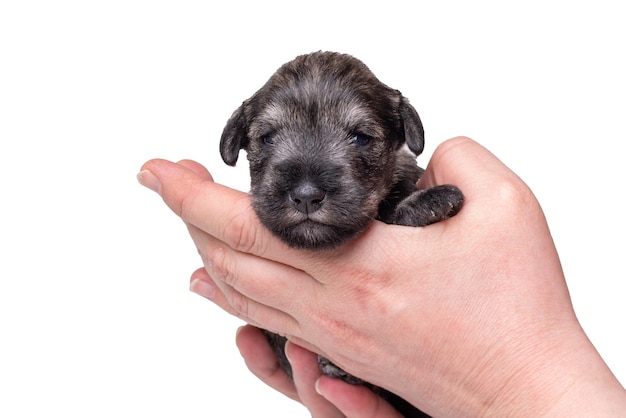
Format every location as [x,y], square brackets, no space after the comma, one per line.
[307,197]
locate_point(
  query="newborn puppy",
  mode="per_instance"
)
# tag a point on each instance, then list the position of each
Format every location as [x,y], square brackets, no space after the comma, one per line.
[331,149]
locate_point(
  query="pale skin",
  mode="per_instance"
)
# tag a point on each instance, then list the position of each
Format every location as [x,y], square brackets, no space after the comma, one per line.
[468,317]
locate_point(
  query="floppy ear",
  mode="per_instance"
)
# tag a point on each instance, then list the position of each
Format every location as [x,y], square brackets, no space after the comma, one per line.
[234,137]
[413,129]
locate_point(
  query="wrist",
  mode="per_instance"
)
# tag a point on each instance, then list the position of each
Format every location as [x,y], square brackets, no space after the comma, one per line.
[566,379]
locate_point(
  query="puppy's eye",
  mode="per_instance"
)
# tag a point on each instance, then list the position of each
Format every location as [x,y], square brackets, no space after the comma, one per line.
[360,140]
[268,139]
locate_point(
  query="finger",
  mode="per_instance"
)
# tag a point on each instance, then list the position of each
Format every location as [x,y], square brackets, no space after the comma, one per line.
[305,373]
[228,216]
[262,362]
[197,168]
[354,401]
[248,285]
[253,276]
[236,304]
[222,212]
[468,165]
[202,284]
[194,199]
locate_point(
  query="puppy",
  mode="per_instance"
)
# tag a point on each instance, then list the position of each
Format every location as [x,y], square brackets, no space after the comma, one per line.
[331,149]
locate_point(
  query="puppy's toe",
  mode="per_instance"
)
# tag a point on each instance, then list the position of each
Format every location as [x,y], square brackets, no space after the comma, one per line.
[429,206]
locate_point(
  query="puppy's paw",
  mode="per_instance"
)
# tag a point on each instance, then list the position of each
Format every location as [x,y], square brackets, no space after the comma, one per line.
[425,207]
[329,369]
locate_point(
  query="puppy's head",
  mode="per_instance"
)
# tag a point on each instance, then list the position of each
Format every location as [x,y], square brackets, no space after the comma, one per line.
[322,137]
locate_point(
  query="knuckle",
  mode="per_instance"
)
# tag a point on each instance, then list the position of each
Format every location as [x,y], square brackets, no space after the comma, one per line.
[240,232]
[221,265]
[454,143]
[240,305]
[187,203]
[243,232]
[452,148]
[513,194]
[224,269]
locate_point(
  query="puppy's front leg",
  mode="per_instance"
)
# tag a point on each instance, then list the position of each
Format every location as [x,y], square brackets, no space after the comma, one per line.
[425,207]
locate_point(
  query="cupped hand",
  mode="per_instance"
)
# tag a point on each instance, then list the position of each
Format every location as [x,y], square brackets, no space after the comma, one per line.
[468,316]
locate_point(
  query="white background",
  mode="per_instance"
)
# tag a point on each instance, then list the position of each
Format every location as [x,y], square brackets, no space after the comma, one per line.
[95,315]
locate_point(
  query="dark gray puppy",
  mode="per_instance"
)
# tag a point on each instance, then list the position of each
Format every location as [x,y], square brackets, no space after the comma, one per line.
[330,149]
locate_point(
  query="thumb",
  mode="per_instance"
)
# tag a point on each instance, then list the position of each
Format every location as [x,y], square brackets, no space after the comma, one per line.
[468,165]
[173,181]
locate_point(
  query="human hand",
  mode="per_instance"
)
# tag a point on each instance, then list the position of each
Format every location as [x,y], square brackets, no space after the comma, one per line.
[469,316]
[323,396]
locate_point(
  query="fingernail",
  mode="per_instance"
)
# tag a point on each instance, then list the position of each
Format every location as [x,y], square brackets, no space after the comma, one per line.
[202,288]
[239,330]
[149,180]
[287,349]
[317,388]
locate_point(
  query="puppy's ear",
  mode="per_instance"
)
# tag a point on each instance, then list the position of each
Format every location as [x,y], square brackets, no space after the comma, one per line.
[413,129]
[234,136]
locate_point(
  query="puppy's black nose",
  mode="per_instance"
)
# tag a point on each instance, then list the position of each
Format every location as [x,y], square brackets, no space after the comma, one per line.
[307,197]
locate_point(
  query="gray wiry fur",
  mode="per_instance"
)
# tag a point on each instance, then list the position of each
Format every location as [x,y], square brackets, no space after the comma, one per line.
[331,148]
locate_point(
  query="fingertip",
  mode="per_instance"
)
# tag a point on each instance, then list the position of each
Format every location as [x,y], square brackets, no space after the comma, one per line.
[288,350]
[201,274]
[244,335]
[238,333]
[318,389]
[297,354]
[353,400]
[201,284]
[262,361]
[321,386]
[174,182]
[147,179]
[203,288]
[155,165]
